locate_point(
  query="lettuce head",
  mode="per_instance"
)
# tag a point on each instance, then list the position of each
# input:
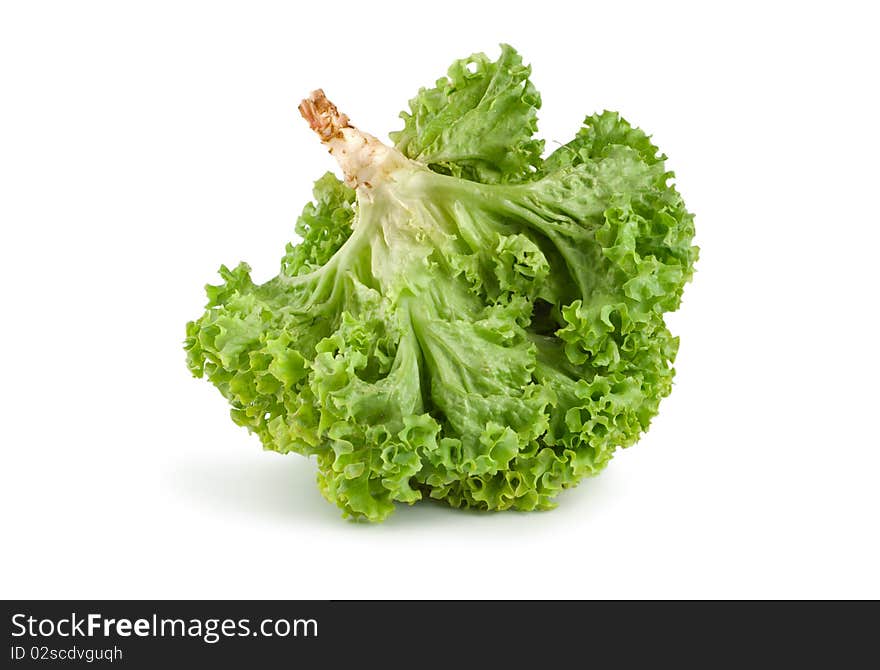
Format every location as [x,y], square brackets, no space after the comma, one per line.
[462,320]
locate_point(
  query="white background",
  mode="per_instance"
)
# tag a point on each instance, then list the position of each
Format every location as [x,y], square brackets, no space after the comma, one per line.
[144,144]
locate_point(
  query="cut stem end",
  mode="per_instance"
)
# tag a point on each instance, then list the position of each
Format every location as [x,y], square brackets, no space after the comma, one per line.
[322,116]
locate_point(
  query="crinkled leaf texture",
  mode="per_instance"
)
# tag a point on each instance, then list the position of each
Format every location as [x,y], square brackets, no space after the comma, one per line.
[484,328]
[478,122]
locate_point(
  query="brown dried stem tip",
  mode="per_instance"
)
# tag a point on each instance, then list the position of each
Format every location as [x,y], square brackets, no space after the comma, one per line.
[364,159]
[322,116]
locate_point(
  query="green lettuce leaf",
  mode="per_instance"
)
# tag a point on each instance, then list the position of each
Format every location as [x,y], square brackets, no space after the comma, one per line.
[477,122]
[323,226]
